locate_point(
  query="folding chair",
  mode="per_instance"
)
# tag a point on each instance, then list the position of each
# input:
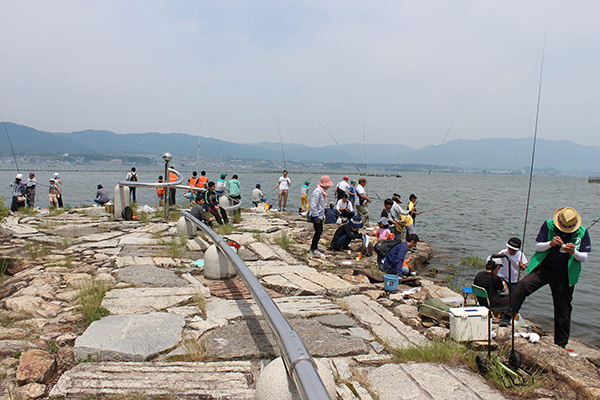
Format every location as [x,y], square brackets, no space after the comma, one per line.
[481,293]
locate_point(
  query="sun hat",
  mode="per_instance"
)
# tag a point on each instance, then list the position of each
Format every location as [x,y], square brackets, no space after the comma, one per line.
[356,222]
[19,176]
[385,221]
[307,183]
[325,181]
[397,197]
[346,178]
[223,175]
[514,243]
[567,219]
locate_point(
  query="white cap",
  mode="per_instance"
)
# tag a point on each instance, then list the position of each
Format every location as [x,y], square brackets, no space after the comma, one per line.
[19,176]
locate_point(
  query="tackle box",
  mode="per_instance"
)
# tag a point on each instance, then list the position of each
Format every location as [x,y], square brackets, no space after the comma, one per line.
[469,323]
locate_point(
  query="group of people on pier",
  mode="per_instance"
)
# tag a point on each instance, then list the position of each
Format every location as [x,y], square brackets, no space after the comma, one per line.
[24,191]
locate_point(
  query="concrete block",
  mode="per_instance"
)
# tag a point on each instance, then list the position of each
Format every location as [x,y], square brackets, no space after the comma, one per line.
[185,227]
[217,266]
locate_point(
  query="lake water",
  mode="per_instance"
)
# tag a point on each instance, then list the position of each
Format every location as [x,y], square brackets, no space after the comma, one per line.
[479,227]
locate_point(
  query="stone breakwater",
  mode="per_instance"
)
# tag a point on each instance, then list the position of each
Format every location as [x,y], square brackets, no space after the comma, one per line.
[166,331]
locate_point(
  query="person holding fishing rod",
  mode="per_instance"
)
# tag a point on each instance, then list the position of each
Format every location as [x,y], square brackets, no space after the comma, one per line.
[316,213]
[284,186]
[362,200]
[561,246]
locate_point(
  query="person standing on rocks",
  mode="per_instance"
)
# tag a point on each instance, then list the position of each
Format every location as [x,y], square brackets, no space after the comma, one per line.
[58,184]
[234,189]
[172,191]
[284,185]
[304,197]
[342,187]
[30,186]
[316,212]
[362,200]
[132,177]
[561,246]
[160,191]
[400,217]
[18,193]
[53,193]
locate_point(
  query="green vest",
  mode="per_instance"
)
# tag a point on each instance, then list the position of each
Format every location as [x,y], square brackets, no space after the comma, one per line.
[574,267]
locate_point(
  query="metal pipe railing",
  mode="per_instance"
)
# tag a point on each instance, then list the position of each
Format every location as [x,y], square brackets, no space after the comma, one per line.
[300,365]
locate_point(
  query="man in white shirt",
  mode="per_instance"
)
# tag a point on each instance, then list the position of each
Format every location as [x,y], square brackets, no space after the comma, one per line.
[342,187]
[518,262]
[362,200]
[284,185]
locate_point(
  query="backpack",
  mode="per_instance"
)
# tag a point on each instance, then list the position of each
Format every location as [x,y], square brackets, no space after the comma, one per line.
[383,247]
[127,213]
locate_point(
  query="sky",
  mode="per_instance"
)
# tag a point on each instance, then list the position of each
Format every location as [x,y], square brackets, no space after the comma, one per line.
[225,69]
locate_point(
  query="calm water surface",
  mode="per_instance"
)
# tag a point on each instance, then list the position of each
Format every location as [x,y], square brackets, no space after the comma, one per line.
[479,227]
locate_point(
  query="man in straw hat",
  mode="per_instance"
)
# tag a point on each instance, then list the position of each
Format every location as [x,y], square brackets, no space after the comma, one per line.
[562,245]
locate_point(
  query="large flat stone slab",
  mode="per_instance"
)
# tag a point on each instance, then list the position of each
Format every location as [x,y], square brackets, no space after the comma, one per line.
[129,337]
[189,380]
[383,323]
[11,227]
[146,300]
[261,269]
[263,251]
[309,283]
[148,275]
[297,306]
[252,338]
[428,381]
[139,239]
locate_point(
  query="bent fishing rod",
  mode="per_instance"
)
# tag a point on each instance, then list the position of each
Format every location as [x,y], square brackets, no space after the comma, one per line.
[280,141]
[459,202]
[445,137]
[344,151]
[10,143]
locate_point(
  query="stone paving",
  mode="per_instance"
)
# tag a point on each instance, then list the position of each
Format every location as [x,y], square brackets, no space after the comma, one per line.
[164,324]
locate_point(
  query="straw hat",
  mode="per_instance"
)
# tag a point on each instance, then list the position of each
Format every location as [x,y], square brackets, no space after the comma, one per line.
[567,219]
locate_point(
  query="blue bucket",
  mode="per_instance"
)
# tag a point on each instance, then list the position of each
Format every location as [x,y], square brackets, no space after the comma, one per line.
[390,282]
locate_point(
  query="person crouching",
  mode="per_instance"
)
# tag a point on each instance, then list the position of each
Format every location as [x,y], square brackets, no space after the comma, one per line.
[346,233]
[198,211]
[393,262]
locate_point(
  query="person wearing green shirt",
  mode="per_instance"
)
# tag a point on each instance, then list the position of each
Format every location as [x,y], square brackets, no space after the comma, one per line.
[234,189]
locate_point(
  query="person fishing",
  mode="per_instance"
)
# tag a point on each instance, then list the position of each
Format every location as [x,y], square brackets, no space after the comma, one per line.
[362,200]
[342,187]
[18,193]
[562,244]
[30,185]
[102,196]
[412,209]
[518,262]
[317,212]
[304,197]
[400,217]
[257,196]
[234,189]
[58,184]
[284,184]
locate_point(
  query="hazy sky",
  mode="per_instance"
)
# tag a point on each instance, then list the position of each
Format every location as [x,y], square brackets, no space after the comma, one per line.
[165,66]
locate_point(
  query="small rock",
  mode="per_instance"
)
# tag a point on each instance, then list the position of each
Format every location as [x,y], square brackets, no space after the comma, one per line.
[378,347]
[29,391]
[503,334]
[481,345]
[357,279]
[385,302]
[107,279]
[374,294]
[87,253]
[100,257]
[406,311]
[28,304]
[36,366]
[541,392]
[247,255]
[9,348]
[437,332]
[76,280]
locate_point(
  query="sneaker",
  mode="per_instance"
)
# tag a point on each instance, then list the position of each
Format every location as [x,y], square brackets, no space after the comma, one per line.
[413,273]
[316,252]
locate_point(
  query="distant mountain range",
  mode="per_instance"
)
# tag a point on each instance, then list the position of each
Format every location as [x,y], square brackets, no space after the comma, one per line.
[491,154]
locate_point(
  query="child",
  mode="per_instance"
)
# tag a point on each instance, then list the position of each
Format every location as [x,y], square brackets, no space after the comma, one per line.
[352,192]
[383,233]
[160,191]
[53,193]
[304,197]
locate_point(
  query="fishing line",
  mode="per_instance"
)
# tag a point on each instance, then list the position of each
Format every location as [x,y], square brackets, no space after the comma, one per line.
[10,142]
[537,114]
[198,154]
[593,223]
[445,137]
[459,202]
[280,141]
[364,141]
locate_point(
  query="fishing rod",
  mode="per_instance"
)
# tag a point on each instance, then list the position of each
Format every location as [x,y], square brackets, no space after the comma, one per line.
[280,141]
[364,141]
[537,114]
[336,142]
[10,142]
[459,202]
[593,223]
[445,137]
[198,154]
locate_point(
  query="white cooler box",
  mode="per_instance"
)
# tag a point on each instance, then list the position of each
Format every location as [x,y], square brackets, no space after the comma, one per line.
[469,323]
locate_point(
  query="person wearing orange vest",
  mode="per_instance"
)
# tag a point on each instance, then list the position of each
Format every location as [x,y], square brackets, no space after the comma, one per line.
[193,183]
[160,191]
[172,190]
[203,180]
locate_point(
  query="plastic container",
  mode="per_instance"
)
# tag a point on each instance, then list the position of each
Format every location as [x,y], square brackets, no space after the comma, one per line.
[457,301]
[390,282]
[469,324]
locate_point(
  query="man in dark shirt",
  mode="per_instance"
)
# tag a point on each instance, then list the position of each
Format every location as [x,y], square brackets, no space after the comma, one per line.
[493,285]
[102,196]
[562,245]
[199,212]
[212,202]
[346,233]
